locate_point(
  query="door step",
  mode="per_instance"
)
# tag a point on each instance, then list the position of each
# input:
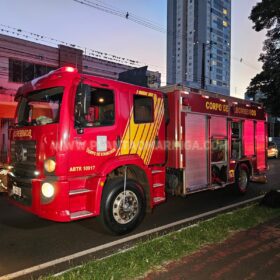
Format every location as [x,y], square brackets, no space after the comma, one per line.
[80,214]
[159,199]
[158,185]
[157,171]
[79,191]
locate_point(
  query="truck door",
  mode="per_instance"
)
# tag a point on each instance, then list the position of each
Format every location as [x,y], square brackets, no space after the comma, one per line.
[260,143]
[236,140]
[219,150]
[147,128]
[97,128]
[196,135]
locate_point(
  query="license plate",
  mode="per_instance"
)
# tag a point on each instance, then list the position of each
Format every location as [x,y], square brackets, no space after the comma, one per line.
[16,190]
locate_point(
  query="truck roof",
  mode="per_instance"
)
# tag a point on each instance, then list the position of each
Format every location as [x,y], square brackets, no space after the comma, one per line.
[71,72]
[173,88]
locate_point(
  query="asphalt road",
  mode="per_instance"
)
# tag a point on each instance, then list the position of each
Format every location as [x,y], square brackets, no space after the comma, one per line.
[26,240]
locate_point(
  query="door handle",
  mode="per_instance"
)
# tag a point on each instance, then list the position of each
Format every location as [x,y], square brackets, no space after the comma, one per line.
[118,141]
[156,141]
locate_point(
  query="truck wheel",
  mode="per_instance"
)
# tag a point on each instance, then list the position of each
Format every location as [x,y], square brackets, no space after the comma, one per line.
[122,212]
[241,179]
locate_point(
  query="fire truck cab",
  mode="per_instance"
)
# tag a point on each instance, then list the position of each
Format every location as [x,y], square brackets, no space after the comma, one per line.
[85,146]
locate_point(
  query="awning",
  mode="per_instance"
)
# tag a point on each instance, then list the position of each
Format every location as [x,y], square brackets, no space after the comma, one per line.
[7,109]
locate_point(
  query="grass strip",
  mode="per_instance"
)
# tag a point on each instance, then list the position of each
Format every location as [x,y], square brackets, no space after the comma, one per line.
[149,254]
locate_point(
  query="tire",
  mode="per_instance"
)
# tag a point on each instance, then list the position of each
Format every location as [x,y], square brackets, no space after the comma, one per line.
[241,179]
[114,218]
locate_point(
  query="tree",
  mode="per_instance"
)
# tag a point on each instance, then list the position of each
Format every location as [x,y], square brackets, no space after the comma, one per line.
[266,15]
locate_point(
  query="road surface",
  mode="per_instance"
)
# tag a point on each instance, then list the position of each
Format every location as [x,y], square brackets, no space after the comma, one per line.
[26,240]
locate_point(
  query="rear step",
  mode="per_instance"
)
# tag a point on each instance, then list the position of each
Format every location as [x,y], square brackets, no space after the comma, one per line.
[79,191]
[80,214]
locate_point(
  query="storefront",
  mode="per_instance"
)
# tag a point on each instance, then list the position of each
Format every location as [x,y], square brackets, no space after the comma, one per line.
[7,112]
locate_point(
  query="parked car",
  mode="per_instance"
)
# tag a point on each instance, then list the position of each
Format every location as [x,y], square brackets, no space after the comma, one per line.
[3,179]
[272,150]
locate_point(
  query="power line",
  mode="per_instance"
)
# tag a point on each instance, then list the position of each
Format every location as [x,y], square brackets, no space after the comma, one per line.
[243,61]
[90,52]
[93,53]
[100,1]
[123,14]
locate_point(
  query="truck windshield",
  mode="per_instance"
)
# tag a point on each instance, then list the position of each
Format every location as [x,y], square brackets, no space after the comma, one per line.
[40,107]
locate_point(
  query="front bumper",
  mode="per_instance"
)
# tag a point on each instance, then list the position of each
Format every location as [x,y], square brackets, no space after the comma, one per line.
[73,196]
[30,198]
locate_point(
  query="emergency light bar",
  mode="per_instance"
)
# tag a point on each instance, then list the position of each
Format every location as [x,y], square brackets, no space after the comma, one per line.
[68,69]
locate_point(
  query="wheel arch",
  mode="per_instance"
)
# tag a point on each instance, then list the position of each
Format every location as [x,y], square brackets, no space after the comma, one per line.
[238,187]
[136,173]
[136,170]
[247,163]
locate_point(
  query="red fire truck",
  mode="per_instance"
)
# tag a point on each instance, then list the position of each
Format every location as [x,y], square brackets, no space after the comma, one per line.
[85,146]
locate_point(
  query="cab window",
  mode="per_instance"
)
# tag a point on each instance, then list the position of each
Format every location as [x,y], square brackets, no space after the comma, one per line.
[94,107]
[143,109]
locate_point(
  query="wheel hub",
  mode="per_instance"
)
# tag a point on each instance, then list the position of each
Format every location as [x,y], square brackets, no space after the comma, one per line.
[125,207]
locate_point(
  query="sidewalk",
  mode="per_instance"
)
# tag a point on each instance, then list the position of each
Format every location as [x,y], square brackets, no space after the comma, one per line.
[251,254]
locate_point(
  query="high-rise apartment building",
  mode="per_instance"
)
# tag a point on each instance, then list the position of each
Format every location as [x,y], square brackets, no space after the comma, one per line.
[199,44]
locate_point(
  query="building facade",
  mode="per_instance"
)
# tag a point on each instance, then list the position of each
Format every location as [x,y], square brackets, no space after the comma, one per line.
[22,61]
[199,44]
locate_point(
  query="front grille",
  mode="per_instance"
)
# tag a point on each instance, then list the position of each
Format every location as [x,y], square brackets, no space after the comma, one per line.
[23,158]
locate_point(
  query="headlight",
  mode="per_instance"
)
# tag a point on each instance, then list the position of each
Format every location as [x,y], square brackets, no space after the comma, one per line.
[10,167]
[50,165]
[47,190]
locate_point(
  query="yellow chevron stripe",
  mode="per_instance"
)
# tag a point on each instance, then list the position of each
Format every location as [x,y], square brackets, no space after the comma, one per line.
[159,124]
[147,128]
[152,140]
[143,141]
[149,138]
[142,92]
[135,145]
[151,127]
[133,131]
[139,138]
[133,125]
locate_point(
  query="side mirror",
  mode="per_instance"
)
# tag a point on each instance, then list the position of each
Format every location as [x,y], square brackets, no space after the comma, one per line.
[79,109]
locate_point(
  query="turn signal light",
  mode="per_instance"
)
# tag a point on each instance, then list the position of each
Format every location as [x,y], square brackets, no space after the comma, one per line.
[50,165]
